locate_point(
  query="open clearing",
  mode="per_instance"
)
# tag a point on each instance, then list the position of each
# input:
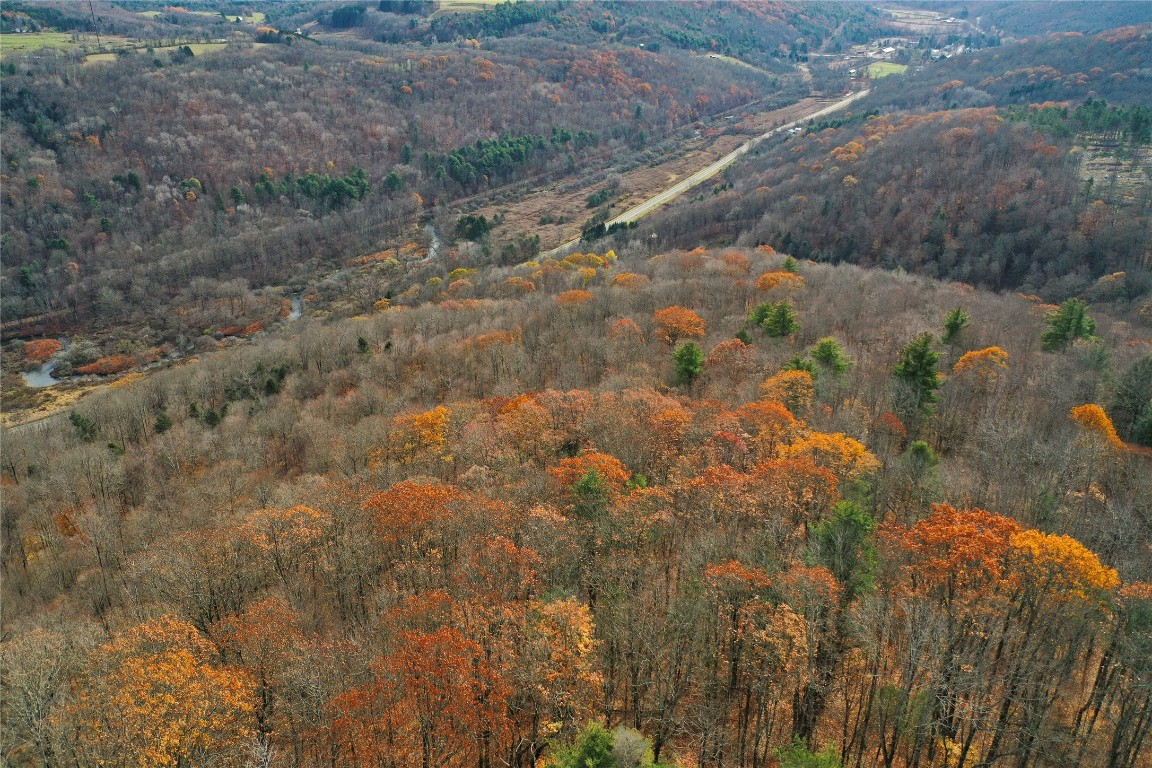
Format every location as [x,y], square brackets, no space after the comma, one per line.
[252,18]
[880,69]
[1118,172]
[13,44]
[33,41]
[923,21]
[198,49]
[562,202]
[465,6]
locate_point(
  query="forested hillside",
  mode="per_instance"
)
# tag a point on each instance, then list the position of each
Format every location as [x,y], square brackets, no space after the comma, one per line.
[715,497]
[764,33]
[1025,19]
[842,460]
[115,205]
[1111,65]
[141,187]
[974,195]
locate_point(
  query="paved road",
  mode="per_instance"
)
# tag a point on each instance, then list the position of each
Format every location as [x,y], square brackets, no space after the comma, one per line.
[704,174]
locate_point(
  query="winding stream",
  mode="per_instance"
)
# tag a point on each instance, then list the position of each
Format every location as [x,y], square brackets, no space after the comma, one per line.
[41,377]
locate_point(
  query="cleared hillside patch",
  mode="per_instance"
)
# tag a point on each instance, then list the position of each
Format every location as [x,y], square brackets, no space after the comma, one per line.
[878,69]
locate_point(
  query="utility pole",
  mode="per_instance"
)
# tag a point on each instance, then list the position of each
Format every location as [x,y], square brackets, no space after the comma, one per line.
[92,11]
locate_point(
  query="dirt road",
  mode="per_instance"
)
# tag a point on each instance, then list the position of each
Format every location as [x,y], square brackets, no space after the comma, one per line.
[651,204]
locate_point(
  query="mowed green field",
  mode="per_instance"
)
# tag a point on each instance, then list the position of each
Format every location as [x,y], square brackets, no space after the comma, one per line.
[197,48]
[880,69]
[12,44]
[465,6]
[252,18]
[33,41]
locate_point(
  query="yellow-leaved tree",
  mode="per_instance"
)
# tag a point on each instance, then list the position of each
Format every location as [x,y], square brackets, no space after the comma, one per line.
[1095,421]
[154,697]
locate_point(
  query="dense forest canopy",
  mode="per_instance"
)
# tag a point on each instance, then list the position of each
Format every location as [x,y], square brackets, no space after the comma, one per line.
[506,507]
[842,459]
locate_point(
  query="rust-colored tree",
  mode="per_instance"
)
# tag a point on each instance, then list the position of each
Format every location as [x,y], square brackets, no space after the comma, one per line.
[435,701]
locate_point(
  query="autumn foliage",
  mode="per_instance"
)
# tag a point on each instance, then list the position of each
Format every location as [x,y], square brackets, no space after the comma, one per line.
[676,323]
[1095,421]
[156,697]
[455,534]
[779,279]
[575,297]
[794,389]
[608,468]
[957,550]
[39,350]
[985,364]
[107,365]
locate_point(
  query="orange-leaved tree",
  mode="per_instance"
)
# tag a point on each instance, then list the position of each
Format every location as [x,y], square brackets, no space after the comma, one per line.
[1061,566]
[1096,422]
[630,281]
[574,469]
[435,702]
[954,551]
[795,389]
[779,279]
[985,364]
[154,696]
[676,323]
[404,513]
[730,361]
[267,642]
[574,297]
[414,437]
[289,538]
[841,454]
[790,495]
[768,425]
[560,671]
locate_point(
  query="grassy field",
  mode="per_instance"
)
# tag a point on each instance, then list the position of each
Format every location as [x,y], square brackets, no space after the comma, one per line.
[737,62]
[33,41]
[880,69]
[465,6]
[197,48]
[252,18]
[12,44]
